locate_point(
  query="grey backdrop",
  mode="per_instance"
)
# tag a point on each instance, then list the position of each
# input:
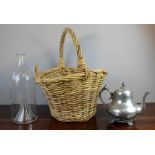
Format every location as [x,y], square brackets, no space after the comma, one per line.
[127,52]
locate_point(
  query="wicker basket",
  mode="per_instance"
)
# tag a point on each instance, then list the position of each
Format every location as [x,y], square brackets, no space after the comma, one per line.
[72,93]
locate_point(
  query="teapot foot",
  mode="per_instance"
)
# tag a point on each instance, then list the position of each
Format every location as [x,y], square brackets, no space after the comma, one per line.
[130,122]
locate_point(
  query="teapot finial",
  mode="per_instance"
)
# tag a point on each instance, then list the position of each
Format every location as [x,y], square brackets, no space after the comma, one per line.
[123,85]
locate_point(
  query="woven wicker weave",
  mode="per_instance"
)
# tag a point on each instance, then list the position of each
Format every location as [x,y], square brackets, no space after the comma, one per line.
[71,92]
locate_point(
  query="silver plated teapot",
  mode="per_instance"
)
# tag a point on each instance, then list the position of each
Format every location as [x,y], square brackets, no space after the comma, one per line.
[122,108]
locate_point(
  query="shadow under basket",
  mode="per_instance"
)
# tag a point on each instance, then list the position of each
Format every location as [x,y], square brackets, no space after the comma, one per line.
[72,93]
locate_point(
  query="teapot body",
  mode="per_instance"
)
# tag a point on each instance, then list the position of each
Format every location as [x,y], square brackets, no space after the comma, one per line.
[122,105]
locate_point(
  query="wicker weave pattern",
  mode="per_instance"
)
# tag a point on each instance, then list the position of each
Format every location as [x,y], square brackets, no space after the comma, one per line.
[71,92]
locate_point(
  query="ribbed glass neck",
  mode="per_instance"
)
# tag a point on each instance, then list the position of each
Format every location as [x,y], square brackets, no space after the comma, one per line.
[20,59]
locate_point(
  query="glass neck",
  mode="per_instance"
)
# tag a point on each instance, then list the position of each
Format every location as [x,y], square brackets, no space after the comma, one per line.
[20,59]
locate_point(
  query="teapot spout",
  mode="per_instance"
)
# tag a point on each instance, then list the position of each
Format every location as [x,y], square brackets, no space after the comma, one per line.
[141,106]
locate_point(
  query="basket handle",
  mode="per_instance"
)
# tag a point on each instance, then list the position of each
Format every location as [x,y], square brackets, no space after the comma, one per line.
[80,62]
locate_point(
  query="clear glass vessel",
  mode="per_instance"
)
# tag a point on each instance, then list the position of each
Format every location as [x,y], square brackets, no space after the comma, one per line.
[22,94]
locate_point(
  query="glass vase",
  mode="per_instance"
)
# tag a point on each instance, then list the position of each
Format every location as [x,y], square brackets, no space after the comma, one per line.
[22,94]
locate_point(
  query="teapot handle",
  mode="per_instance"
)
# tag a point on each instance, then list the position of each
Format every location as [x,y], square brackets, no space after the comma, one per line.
[100,94]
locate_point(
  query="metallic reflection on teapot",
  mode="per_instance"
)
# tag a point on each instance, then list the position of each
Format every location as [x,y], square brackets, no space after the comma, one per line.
[122,108]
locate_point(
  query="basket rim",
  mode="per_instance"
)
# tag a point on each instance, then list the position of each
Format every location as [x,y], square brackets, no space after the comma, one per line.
[74,76]
[57,68]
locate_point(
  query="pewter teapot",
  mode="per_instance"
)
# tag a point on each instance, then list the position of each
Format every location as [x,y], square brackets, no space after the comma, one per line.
[122,108]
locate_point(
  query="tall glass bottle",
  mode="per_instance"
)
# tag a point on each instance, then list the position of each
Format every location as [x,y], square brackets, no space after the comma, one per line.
[22,94]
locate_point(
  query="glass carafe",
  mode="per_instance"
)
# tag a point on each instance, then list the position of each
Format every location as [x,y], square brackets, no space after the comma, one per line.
[22,94]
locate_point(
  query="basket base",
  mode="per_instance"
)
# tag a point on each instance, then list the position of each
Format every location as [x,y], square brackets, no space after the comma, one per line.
[72,119]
